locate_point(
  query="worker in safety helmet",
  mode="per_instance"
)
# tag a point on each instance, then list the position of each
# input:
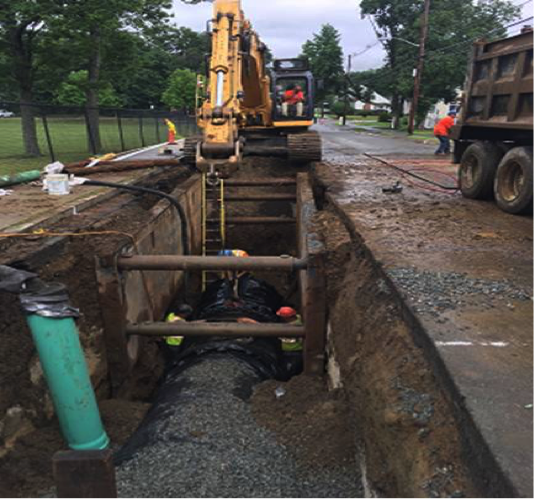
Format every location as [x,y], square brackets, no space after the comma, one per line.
[289,315]
[294,96]
[441,132]
[183,313]
[233,275]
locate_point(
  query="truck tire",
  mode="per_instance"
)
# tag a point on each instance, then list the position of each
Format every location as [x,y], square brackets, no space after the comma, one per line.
[477,170]
[513,181]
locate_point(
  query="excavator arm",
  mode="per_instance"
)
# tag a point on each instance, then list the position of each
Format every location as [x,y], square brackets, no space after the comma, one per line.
[244,111]
[238,89]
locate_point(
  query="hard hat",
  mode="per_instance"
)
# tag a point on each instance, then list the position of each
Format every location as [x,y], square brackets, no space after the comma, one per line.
[286,312]
[240,253]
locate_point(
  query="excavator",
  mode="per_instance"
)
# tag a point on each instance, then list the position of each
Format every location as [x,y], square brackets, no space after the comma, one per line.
[244,109]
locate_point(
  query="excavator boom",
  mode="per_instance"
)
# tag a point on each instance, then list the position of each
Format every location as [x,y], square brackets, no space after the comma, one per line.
[244,111]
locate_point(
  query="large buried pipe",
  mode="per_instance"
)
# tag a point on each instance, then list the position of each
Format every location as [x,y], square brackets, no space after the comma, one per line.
[220,372]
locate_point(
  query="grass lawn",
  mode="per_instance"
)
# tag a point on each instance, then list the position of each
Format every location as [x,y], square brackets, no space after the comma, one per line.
[69,140]
[418,135]
[421,135]
[370,119]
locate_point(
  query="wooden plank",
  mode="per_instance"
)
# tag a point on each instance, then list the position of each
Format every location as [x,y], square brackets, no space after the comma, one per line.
[84,474]
[315,316]
[261,182]
[260,197]
[138,296]
[312,283]
[112,309]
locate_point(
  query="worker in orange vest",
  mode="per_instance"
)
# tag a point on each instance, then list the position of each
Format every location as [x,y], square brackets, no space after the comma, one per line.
[294,96]
[441,132]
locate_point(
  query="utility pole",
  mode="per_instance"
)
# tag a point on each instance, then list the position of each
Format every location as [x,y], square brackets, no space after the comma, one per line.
[347,90]
[420,67]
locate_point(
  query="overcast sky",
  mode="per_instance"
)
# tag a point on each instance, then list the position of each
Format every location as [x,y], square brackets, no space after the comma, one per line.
[284,25]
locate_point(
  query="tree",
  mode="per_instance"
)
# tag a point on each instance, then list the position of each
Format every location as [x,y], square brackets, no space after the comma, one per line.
[72,92]
[159,53]
[454,25]
[181,90]
[21,24]
[326,59]
[90,24]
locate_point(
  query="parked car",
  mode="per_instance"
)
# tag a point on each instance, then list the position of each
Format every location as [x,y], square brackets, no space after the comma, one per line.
[6,114]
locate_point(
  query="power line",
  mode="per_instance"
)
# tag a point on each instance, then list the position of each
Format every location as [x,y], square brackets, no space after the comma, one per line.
[366,49]
[436,52]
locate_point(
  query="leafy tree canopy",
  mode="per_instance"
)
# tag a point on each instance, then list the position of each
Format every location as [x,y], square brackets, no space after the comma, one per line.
[181,90]
[72,92]
[453,26]
[326,59]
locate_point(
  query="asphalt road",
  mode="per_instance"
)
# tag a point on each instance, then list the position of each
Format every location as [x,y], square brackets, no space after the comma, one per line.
[339,142]
[345,141]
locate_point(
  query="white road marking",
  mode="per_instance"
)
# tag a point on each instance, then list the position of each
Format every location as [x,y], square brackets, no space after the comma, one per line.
[498,344]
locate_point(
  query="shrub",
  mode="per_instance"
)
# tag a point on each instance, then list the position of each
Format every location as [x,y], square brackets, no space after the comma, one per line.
[384,117]
[338,108]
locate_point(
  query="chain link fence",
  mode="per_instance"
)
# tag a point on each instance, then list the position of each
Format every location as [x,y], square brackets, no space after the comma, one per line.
[68,134]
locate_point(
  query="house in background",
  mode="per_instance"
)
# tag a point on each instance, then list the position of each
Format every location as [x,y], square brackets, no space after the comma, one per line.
[378,103]
[439,111]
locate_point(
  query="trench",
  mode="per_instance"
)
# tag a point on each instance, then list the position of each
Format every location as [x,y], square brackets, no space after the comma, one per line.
[238,418]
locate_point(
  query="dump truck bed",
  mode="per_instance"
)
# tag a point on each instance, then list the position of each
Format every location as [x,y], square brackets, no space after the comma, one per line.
[498,100]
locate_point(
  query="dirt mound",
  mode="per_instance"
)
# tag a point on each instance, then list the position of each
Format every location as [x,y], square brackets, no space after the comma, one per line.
[27,470]
[310,421]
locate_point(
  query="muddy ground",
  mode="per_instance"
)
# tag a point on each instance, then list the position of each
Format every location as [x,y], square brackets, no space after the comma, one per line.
[26,412]
[408,438]
[27,470]
[391,414]
[314,423]
[431,331]
[28,431]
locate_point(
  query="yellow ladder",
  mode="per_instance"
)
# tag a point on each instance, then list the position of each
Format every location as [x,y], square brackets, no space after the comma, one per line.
[213,223]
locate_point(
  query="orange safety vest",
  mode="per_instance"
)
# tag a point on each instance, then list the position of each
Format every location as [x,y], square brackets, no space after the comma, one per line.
[443,126]
[292,97]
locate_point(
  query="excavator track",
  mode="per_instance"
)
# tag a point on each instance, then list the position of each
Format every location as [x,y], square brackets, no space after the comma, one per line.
[190,149]
[304,147]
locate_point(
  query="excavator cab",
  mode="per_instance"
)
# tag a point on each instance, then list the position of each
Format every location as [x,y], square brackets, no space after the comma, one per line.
[292,93]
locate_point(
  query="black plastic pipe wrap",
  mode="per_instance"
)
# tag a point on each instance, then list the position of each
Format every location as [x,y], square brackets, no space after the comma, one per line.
[206,372]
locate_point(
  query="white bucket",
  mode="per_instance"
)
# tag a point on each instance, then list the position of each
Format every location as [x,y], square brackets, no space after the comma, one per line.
[58,184]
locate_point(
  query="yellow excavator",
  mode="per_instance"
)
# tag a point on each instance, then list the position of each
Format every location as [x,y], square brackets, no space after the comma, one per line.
[248,109]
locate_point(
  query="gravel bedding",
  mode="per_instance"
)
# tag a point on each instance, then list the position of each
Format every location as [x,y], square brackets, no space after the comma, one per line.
[205,442]
[435,292]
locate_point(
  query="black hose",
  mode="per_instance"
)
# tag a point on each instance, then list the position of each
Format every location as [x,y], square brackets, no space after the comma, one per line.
[155,192]
[411,174]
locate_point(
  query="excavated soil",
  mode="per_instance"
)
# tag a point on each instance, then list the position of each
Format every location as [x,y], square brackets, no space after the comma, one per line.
[312,422]
[27,470]
[27,434]
[409,440]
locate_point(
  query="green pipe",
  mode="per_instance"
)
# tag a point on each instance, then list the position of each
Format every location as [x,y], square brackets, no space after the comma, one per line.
[19,178]
[65,370]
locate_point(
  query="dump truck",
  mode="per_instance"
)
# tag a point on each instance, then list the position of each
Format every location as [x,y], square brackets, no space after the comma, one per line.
[493,136]
[246,109]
